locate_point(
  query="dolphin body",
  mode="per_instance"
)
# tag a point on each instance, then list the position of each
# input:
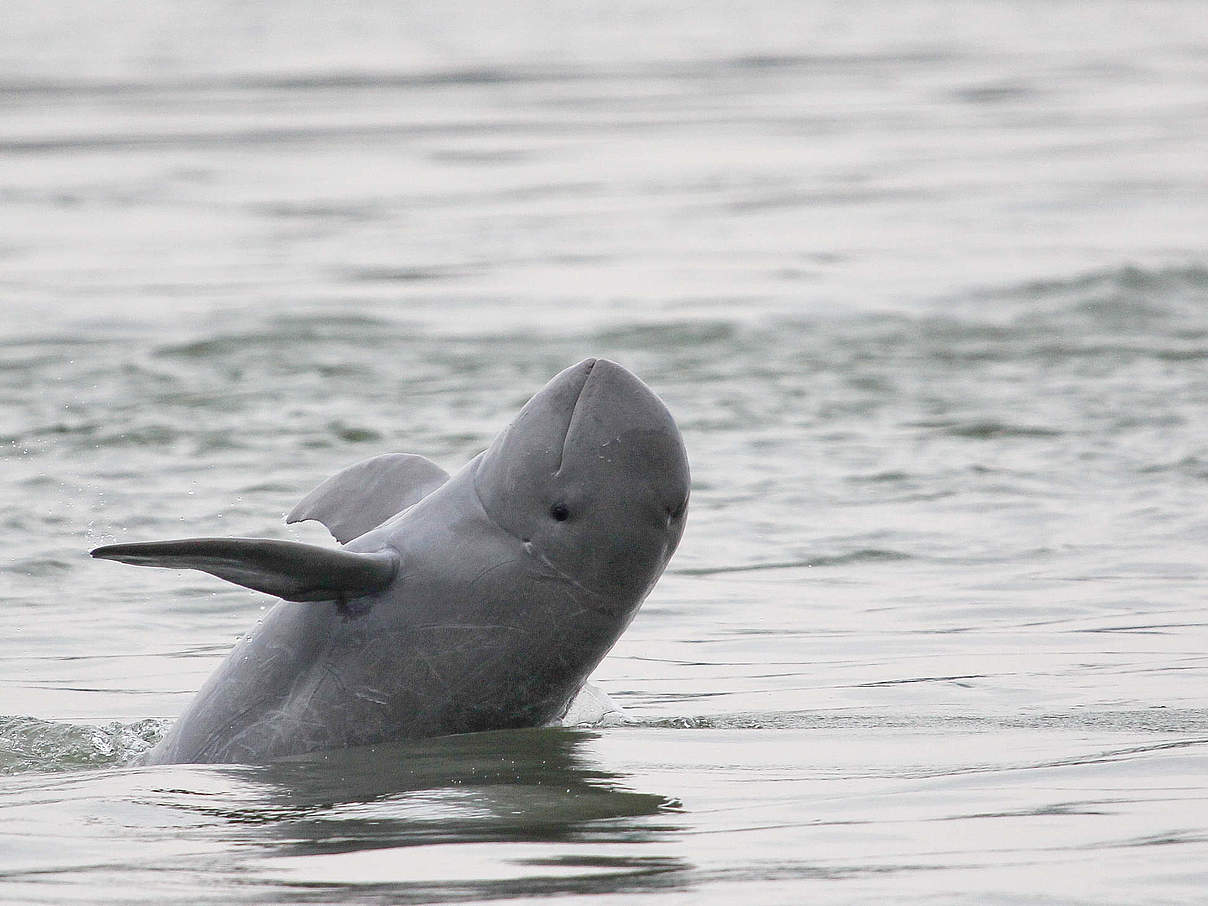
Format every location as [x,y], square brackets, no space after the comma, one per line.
[477,602]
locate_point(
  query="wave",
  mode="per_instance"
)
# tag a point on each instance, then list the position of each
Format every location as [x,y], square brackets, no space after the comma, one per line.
[359,77]
[1142,720]
[29,744]
[1122,299]
[32,744]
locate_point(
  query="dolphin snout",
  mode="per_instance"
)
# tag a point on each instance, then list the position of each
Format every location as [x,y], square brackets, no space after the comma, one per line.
[612,396]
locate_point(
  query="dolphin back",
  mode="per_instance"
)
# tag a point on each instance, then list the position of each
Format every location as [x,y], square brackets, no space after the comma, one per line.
[368,493]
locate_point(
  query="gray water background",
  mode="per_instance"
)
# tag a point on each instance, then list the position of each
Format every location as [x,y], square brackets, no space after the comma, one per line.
[924,283]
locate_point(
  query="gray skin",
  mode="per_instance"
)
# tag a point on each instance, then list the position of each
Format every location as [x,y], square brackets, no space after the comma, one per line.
[480,602]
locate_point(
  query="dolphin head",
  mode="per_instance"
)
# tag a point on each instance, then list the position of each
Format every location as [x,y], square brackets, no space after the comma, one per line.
[592,477]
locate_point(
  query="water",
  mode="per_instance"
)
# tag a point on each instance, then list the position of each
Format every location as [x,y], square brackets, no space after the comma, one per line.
[925,285]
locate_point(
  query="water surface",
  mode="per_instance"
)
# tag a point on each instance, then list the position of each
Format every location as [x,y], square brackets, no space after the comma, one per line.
[924,284]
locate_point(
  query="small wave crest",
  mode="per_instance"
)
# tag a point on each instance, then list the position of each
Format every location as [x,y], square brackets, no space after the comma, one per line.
[1122,299]
[32,744]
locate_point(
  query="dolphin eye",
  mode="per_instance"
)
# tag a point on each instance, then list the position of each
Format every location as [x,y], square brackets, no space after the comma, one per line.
[560,512]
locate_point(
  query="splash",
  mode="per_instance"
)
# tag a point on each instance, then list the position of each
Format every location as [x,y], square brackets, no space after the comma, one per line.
[31,744]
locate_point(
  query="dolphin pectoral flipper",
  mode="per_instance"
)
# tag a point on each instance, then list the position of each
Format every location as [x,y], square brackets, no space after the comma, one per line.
[366,494]
[287,569]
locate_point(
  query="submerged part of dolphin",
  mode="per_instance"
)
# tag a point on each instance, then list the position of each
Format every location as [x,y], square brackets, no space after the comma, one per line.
[476,602]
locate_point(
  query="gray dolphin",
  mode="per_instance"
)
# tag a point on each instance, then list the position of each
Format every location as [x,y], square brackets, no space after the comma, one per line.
[476,602]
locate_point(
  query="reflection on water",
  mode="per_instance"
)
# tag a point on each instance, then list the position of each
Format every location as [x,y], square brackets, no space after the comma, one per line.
[519,786]
[529,811]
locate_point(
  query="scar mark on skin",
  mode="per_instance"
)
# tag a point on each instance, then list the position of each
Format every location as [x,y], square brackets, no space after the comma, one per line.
[492,568]
[475,626]
[373,695]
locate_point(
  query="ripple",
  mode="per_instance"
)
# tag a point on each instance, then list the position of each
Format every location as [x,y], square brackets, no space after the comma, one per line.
[38,567]
[864,555]
[986,429]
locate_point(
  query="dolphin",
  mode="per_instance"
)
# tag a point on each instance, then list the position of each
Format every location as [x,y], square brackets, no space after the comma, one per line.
[480,601]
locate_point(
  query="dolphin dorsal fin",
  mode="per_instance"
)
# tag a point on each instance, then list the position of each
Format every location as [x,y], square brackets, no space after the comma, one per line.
[287,569]
[365,495]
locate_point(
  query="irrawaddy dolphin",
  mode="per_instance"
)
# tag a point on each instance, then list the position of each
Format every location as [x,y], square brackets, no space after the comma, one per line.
[476,602]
